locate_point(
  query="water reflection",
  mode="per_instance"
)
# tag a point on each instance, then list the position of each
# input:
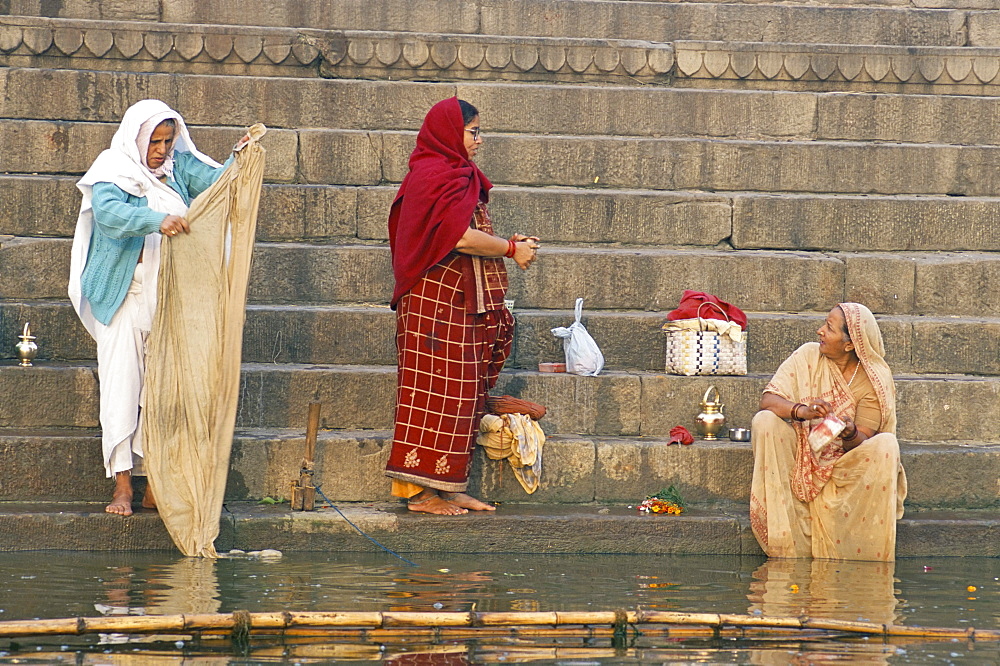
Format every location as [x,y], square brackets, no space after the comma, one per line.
[440,590]
[857,591]
[445,655]
[928,592]
[187,586]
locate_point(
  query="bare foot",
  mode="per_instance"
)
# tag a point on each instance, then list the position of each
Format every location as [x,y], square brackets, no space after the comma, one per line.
[434,504]
[148,501]
[121,498]
[467,502]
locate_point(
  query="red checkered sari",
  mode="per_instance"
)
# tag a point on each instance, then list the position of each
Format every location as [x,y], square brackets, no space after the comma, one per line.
[453,335]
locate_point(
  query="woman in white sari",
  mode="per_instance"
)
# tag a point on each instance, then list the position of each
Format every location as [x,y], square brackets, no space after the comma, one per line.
[135,193]
[843,501]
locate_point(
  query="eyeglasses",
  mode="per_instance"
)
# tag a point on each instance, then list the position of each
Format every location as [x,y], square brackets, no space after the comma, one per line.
[474,131]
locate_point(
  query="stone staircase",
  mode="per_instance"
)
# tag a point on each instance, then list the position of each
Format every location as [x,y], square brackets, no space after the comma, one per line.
[782,156]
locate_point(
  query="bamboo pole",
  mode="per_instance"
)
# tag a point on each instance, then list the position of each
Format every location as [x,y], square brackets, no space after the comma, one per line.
[524,623]
[523,618]
[426,619]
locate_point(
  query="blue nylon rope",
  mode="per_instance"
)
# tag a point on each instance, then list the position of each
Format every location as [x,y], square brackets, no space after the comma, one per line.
[361,531]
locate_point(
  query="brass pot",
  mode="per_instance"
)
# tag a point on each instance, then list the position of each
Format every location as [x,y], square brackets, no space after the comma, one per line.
[711,422]
[26,348]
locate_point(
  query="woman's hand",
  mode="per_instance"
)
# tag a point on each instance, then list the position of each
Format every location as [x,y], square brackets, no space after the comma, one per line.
[854,435]
[815,409]
[526,250]
[795,411]
[850,430]
[481,244]
[172,224]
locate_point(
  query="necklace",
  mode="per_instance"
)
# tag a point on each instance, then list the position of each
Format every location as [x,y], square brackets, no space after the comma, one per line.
[854,375]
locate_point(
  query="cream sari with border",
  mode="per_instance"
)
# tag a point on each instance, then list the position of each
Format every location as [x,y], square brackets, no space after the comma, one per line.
[832,504]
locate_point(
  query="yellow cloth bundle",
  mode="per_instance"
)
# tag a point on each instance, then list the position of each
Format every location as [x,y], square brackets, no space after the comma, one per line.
[519,439]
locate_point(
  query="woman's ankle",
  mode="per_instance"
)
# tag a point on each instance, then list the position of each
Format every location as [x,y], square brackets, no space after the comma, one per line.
[423,496]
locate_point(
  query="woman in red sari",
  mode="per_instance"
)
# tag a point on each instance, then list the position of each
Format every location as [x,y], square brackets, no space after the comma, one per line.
[453,333]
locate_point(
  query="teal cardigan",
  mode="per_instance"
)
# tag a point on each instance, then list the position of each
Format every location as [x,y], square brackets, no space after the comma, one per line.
[121,221]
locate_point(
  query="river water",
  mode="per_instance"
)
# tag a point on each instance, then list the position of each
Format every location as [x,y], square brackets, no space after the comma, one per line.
[942,592]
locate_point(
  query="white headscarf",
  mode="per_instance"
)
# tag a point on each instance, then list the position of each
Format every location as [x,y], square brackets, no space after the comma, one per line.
[146,133]
[123,165]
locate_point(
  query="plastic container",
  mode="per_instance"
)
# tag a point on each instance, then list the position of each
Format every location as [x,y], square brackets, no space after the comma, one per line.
[825,432]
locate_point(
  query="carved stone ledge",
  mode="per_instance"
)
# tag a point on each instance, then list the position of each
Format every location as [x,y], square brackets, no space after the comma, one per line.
[464,57]
[41,42]
[847,64]
[106,44]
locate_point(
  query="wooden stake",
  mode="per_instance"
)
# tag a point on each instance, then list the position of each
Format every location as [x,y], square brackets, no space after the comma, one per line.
[312,428]
[303,491]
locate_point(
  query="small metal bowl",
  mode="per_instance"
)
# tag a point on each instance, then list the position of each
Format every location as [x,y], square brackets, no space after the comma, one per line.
[739,434]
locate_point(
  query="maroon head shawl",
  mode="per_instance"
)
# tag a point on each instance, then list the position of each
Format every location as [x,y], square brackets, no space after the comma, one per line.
[437,198]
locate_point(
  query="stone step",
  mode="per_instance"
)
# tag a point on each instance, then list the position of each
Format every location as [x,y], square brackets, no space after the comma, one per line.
[41,206]
[903,4]
[42,94]
[274,51]
[655,21]
[936,408]
[522,529]
[657,111]
[354,157]
[364,335]
[349,467]
[636,278]
[763,22]
[44,206]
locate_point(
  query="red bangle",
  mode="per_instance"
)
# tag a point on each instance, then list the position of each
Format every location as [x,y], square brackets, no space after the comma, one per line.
[511,249]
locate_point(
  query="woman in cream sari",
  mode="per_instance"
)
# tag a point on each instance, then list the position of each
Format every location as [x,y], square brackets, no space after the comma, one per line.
[842,502]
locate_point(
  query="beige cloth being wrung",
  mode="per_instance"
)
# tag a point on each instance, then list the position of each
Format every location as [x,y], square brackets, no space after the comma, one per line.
[193,373]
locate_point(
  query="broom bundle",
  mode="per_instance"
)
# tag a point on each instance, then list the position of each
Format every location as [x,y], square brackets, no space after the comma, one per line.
[506,404]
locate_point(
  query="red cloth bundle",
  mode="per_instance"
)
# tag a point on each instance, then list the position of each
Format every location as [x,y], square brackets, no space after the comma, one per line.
[506,404]
[680,435]
[691,302]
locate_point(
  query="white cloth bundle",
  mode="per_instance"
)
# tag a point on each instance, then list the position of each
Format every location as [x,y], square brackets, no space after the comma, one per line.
[583,356]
